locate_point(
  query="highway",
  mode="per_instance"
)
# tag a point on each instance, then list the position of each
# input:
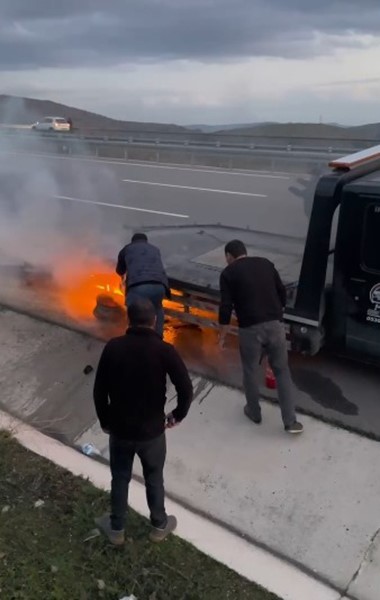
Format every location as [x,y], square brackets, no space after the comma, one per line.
[53,206]
[133,195]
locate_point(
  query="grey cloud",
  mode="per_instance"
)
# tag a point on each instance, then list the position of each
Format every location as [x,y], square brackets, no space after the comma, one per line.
[94,33]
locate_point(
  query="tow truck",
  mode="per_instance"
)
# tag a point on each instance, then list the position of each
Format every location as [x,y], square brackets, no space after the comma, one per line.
[332,277]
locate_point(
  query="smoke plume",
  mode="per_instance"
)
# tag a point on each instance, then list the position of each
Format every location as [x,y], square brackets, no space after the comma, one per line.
[35,226]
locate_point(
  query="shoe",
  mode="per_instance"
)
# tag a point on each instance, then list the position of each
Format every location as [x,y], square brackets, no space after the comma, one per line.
[294,428]
[256,420]
[115,536]
[158,535]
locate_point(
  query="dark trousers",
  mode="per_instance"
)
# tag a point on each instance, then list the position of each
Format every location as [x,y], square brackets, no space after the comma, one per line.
[155,292]
[152,454]
[269,338]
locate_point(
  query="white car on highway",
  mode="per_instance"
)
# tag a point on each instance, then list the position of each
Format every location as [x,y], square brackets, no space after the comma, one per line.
[52,124]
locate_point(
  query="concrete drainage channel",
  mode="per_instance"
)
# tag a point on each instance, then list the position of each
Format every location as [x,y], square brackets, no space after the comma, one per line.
[310,501]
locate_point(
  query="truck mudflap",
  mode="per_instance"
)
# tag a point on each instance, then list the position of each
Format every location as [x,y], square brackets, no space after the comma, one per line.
[200,308]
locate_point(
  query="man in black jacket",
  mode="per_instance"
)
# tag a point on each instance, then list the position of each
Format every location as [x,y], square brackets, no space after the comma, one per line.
[252,287]
[141,264]
[130,397]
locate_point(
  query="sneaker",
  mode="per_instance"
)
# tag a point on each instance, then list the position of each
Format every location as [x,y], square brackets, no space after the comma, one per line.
[159,535]
[294,428]
[256,420]
[115,536]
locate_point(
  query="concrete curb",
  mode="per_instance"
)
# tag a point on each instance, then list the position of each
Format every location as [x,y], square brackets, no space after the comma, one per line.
[251,562]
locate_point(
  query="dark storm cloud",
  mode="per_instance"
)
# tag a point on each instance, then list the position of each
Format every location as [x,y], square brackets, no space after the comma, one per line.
[94,33]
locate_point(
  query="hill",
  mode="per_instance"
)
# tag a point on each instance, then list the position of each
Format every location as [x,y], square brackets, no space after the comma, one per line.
[309,131]
[25,111]
[225,127]
[372,130]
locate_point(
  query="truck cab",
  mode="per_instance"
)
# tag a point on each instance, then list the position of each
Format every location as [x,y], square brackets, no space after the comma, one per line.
[342,313]
[356,285]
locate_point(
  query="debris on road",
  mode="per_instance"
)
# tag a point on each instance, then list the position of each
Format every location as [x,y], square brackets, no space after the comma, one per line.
[90,450]
[94,533]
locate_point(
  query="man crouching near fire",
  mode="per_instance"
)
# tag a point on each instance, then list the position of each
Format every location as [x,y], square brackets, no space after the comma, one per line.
[141,264]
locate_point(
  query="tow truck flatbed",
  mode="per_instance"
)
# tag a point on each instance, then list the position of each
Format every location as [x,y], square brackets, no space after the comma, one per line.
[194,255]
[333,295]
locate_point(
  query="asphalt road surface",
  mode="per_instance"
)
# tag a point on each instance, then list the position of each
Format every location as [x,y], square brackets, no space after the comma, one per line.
[134,195]
[43,199]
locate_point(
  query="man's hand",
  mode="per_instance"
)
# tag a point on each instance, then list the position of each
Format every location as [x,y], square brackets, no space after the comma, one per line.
[222,336]
[170,421]
[123,283]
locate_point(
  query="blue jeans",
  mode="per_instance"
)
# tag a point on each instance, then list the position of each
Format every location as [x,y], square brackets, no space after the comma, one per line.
[155,292]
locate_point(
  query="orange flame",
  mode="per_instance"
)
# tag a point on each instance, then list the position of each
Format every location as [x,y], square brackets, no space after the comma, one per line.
[78,296]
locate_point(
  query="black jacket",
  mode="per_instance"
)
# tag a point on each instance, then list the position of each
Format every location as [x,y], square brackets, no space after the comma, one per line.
[130,385]
[252,287]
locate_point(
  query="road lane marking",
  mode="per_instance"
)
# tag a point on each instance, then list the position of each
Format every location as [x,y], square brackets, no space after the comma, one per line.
[194,188]
[233,172]
[144,210]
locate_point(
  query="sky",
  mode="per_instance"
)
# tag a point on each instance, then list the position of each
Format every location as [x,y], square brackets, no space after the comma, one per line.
[197,61]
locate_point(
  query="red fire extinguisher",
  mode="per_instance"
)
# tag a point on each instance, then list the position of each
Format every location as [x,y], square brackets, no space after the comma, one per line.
[270,380]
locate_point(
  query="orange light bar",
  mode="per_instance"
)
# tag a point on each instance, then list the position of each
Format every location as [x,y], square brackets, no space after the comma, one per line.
[357,159]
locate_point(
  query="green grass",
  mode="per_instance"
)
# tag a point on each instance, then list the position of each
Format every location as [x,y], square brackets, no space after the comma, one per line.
[44,554]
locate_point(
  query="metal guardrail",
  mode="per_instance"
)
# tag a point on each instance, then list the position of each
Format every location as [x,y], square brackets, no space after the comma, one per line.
[184,135]
[247,156]
[142,140]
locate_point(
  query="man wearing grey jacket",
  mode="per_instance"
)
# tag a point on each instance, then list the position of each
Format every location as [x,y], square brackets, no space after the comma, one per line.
[141,264]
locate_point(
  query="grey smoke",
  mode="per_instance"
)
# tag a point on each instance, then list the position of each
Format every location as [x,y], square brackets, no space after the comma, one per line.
[37,229]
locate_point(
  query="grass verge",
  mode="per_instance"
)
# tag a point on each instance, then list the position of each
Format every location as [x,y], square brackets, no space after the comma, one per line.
[48,551]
